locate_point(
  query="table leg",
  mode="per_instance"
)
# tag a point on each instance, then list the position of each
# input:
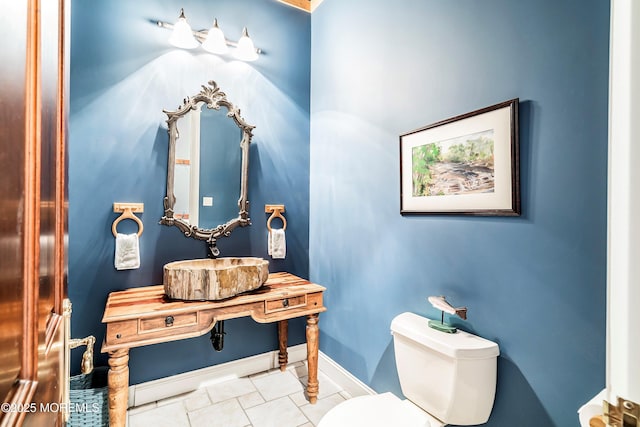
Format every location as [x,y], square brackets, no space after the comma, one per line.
[118,387]
[312,357]
[283,332]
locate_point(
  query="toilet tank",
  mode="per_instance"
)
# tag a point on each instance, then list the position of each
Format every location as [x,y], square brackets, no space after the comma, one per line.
[450,376]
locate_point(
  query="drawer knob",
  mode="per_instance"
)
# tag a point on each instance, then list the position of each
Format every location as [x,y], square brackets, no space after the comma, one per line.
[168,321]
[285,302]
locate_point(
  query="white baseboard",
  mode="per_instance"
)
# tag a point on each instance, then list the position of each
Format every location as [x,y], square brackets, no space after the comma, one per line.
[342,377]
[163,388]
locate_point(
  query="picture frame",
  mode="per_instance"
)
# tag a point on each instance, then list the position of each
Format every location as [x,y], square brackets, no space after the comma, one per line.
[465,165]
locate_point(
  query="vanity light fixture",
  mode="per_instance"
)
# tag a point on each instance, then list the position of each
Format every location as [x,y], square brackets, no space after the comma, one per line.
[212,40]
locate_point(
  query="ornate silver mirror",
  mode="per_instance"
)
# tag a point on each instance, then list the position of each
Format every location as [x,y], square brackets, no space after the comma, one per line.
[208,168]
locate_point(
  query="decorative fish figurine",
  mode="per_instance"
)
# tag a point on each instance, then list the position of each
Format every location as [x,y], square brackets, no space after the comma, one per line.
[441,303]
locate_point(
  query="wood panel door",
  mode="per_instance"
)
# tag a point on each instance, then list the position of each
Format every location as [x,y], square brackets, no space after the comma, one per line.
[33,82]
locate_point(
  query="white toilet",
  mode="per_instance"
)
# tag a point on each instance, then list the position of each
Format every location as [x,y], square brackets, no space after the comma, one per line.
[447,379]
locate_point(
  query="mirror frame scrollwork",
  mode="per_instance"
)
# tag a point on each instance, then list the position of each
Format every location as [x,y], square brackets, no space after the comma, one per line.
[213,98]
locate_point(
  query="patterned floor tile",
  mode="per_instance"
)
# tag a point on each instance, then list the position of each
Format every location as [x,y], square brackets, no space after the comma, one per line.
[277,384]
[224,414]
[173,415]
[228,389]
[281,412]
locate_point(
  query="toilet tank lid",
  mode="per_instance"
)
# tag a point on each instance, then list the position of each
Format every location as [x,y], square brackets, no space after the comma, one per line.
[461,345]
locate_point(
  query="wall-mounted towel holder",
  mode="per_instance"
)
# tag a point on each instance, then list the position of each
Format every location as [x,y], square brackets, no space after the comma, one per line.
[128,210]
[276,212]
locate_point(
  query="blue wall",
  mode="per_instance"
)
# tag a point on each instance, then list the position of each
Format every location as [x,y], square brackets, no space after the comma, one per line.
[534,284]
[123,74]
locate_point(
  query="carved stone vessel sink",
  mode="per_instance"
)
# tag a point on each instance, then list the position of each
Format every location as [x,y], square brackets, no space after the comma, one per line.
[213,279]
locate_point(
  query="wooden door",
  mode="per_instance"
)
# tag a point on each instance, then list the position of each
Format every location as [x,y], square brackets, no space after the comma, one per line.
[32,211]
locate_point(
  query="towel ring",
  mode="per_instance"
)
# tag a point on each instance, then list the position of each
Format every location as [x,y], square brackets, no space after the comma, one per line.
[127,214]
[276,212]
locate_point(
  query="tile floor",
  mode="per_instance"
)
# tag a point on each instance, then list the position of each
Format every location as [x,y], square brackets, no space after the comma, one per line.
[267,399]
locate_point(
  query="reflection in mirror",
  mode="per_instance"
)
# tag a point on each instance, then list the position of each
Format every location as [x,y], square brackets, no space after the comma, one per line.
[219,173]
[208,167]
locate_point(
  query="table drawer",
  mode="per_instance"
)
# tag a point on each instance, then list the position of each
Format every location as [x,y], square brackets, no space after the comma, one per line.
[283,304]
[153,324]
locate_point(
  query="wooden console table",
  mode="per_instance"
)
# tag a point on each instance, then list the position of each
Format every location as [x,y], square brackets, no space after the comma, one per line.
[141,316]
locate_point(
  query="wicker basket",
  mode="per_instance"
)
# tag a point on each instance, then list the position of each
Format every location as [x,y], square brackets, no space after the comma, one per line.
[88,392]
[88,395]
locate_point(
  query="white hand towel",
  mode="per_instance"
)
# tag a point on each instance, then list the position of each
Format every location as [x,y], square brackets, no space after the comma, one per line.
[127,252]
[277,245]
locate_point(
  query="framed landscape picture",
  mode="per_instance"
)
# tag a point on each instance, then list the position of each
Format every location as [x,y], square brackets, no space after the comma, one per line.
[466,165]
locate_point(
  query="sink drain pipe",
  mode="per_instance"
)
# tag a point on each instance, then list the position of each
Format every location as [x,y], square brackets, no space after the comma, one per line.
[217,335]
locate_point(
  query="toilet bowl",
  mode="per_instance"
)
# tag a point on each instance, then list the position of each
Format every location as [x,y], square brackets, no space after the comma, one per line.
[380,410]
[447,378]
